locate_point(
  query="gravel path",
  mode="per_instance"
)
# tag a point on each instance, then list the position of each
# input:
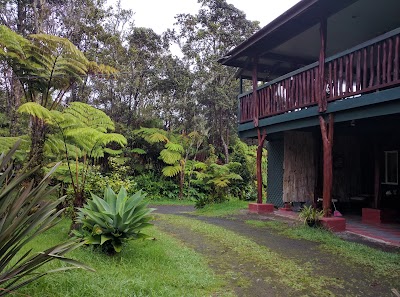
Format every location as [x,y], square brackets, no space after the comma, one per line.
[248,279]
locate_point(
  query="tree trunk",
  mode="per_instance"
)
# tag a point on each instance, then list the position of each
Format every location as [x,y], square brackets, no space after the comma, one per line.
[14,101]
[38,137]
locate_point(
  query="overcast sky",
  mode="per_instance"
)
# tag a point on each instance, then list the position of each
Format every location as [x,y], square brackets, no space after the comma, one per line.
[159,14]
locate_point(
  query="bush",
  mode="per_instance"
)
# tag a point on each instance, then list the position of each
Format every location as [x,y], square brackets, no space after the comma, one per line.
[157,188]
[111,221]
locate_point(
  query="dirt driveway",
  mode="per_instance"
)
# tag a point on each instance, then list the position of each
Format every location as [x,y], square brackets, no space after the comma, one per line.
[246,277]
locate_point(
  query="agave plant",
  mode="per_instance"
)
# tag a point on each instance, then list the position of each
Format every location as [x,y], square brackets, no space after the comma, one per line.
[24,214]
[111,221]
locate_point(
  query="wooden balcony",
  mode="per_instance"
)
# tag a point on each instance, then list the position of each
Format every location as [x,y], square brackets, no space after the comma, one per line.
[366,68]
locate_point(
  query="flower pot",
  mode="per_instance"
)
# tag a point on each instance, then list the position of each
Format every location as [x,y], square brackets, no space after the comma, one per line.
[311,223]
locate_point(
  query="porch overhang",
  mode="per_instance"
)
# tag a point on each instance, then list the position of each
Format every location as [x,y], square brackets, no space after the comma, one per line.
[293,40]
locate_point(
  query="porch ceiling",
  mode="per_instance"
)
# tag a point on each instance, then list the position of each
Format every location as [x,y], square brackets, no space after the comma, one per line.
[293,39]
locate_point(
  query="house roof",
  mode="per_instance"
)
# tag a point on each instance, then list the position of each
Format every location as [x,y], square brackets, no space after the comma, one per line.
[293,39]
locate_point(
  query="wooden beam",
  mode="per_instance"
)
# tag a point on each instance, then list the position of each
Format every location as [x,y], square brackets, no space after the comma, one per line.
[261,140]
[241,85]
[327,143]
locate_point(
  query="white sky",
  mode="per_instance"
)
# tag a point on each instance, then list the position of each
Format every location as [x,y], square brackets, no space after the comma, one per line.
[159,14]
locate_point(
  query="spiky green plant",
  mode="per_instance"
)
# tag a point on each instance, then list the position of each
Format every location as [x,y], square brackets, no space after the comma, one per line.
[111,221]
[24,214]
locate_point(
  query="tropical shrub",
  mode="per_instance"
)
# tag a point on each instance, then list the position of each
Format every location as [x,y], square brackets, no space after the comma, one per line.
[310,215]
[216,180]
[25,213]
[111,221]
[157,188]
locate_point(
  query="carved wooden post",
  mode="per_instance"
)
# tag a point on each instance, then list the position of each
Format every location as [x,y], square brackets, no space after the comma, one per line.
[327,141]
[322,103]
[261,140]
[255,95]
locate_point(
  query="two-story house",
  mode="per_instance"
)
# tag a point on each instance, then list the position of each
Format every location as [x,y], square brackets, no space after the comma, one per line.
[326,90]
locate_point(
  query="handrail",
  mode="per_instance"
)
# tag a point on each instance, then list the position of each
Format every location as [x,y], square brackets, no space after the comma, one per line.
[367,67]
[327,60]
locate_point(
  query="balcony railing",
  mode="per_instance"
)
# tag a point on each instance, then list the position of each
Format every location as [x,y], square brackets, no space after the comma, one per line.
[368,67]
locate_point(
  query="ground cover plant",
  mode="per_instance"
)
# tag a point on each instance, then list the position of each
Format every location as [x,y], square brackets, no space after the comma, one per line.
[161,267]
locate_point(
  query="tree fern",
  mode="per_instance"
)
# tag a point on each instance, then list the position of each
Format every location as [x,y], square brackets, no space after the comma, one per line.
[175,147]
[138,151]
[170,157]
[36,110]
[88,116]
[171,171]
[152,135]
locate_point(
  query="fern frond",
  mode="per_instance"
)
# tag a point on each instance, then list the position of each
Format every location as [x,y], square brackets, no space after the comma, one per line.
[170,157]
[219,182]
[138,151]
[89,116]
[156,137]
[107,138]
[152,135]
[171,171]
[6,143]
[175,147]
[233,176]
[112,152]
[36,110]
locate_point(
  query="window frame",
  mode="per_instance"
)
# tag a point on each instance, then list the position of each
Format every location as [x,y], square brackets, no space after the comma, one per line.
[386,182]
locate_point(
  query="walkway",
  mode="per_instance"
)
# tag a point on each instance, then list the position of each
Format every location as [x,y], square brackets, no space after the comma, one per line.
[383,233]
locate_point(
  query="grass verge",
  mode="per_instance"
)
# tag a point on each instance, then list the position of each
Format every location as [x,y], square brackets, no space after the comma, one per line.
[286,272]
[384,264]
[226,208]
[171,202]
[161,267]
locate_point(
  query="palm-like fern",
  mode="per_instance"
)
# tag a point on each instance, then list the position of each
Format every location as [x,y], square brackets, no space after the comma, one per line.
[47,66]
[82,130]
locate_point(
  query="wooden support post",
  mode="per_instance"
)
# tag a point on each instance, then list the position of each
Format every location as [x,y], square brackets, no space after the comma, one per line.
[322,103]
[256,107]
[377,179]
[327,142]
[241,85]
[261,140]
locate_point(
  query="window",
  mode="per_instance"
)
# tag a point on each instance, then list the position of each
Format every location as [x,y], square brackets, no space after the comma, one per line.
[391,168]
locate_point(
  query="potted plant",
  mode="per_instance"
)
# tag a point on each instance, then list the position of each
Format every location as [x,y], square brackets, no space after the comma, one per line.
[310,215]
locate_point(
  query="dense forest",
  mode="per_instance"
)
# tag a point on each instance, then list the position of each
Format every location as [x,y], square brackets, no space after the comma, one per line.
[81,84]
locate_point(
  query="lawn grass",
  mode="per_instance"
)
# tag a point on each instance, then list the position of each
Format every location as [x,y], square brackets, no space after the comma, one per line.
[299,278]
[226,208]
[161,267]
[384,264]
[171,202]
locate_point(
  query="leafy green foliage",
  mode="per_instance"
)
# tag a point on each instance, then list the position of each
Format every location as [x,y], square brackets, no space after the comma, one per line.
[157,188]
[25,213]
[81,131]
[112,220]
[309,214]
